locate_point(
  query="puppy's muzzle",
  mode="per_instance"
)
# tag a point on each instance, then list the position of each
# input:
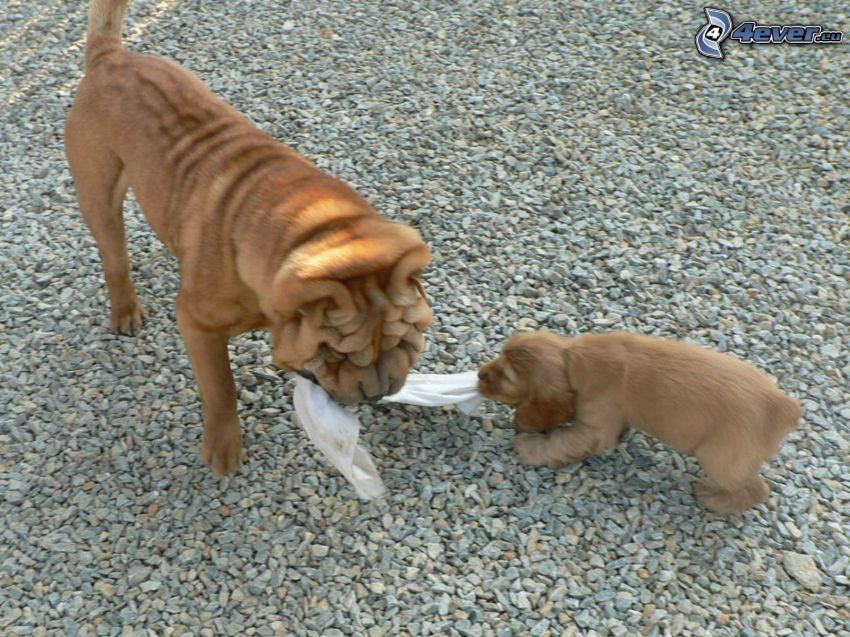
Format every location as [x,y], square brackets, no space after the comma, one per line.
[485,380]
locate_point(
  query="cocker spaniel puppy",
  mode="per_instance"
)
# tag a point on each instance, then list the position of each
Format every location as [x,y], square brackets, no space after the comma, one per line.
[722,410]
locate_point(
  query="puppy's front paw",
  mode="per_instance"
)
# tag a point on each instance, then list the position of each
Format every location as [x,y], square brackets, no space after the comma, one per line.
[532,449]
[714,498]
[706,488]
[222,450]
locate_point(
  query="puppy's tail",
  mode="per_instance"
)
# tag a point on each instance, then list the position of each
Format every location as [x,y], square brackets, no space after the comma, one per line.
[785,415]
[790,412]
[104,33]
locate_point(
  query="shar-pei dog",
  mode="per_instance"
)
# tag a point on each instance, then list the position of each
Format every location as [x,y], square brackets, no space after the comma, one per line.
[265,239]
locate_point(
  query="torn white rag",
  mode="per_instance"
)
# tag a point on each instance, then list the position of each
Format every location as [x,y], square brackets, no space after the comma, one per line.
[435,390]
[334,429]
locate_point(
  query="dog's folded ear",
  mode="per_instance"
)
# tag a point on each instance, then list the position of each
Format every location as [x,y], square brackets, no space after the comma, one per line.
[319,269]
[356,289]
[540,413]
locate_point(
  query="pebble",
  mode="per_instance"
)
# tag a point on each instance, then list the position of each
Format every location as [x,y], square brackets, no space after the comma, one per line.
[803,569]
[137,574]
[319,551]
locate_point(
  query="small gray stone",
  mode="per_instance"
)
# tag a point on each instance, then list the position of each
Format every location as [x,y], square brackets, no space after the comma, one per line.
[137,574]
[319,550]
[803,569]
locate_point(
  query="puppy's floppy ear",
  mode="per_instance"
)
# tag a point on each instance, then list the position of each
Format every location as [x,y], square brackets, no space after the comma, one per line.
[539,413]
[542,365]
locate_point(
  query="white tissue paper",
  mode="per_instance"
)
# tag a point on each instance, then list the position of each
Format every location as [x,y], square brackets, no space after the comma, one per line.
[436,390]
[334,429]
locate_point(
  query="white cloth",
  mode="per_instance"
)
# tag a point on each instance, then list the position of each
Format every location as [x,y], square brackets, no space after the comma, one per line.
[334,429]
[434,390]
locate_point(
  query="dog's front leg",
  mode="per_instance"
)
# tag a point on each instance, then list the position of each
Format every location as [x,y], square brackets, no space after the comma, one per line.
[567,444]
[222,442]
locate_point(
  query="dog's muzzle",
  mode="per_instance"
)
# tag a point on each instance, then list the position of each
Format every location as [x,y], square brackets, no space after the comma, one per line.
[303,373]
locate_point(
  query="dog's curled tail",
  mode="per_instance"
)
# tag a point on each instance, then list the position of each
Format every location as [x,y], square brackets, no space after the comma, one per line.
[106,18]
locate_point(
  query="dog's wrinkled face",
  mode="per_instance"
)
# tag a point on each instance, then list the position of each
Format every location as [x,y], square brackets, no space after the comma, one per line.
[350,308]
[530,374]
[363,350]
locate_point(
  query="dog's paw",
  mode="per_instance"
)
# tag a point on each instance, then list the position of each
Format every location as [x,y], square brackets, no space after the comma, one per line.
[127,318]
[223,451]
[716,500]
[532,449]
[706,487]
[712,497]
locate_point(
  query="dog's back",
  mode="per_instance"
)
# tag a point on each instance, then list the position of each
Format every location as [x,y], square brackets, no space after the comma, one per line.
[685,394]
[192,160]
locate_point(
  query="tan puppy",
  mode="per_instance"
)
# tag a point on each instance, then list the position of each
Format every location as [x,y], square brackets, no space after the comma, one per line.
[727,413]
[264,238]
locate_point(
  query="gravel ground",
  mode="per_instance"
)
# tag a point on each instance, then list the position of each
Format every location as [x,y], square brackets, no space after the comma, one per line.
[573,167]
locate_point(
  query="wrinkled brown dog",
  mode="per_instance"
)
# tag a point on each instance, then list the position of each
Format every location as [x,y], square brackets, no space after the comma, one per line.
[727,413]
[265,239]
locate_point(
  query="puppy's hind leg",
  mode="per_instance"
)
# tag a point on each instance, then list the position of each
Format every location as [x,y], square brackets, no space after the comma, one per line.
[733,484]
[568,444]
[101,186]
